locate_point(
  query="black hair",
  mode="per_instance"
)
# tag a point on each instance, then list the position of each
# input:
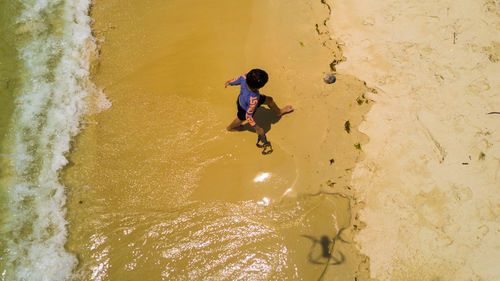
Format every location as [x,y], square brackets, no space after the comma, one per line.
[257,78]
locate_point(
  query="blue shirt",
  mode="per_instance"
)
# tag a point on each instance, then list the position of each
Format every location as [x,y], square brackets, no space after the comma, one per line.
[248,99]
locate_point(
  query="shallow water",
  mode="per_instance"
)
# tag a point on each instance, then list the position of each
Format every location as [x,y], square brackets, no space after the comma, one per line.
[159,189]
[9,66]
[155,187]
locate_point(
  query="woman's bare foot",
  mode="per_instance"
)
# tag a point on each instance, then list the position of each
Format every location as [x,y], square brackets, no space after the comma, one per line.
[285,110]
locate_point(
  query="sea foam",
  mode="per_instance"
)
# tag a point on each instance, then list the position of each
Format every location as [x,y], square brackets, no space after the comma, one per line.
[55,45]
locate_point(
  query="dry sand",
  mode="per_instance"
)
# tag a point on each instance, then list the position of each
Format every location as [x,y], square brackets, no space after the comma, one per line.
[430,182]
[159,189]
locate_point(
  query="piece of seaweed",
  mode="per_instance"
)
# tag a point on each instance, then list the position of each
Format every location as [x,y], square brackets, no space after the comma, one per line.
[347,126]
[358,146]
[481,156]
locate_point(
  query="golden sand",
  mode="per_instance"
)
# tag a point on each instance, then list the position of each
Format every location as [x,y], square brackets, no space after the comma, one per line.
[430,179]
[158,187]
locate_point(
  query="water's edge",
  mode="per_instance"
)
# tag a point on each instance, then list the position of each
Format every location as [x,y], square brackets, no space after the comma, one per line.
[54,44]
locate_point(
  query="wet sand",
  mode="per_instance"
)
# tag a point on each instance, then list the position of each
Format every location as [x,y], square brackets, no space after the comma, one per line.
[430,179]
[158,189]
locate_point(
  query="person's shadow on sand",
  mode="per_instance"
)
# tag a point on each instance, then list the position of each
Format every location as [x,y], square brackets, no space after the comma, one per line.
[264,117]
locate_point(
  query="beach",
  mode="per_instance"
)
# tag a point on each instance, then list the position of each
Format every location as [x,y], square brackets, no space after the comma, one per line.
[116,163]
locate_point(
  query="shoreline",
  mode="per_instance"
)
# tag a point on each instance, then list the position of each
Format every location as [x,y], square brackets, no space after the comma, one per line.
[131,171]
